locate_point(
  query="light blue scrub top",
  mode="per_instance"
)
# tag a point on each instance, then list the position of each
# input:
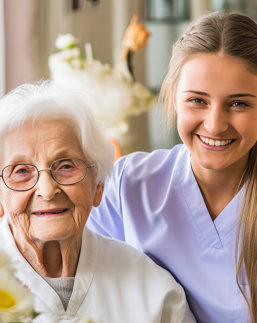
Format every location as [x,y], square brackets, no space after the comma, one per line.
[153,202]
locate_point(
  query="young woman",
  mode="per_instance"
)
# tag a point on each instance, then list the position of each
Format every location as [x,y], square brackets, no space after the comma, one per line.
[193,208]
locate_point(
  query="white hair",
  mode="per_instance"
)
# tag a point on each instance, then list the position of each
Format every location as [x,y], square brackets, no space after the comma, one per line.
[46,101]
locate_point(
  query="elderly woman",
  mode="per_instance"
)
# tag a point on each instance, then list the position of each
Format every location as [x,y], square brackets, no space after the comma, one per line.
[54,161]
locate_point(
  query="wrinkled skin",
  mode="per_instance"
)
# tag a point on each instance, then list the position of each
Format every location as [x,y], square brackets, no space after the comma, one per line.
[50,242]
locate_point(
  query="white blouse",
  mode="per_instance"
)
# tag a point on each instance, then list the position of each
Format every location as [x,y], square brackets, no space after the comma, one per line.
[114,283]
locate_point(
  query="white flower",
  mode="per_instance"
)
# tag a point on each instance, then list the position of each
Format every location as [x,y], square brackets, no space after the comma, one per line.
[16,301]
[77,64]
[64,41]
[121,70]
[69,54]
[84,320]
[111,92]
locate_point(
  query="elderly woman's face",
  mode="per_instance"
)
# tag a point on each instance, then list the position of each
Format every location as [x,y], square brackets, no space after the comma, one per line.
[48,211]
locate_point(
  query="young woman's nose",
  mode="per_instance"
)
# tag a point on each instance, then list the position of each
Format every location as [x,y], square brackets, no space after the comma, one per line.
[216,120]
[46,186]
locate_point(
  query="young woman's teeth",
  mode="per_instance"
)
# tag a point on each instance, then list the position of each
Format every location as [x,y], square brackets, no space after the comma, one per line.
[212,142]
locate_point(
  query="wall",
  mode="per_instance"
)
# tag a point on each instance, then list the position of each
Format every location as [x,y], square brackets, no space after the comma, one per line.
[88,24]
[103,26]
[22,42]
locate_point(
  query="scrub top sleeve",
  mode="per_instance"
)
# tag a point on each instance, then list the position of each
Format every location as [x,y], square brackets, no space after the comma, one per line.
[106,219]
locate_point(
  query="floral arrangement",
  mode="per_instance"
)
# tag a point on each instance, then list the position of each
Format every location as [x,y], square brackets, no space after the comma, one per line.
[16,301]
[112,92]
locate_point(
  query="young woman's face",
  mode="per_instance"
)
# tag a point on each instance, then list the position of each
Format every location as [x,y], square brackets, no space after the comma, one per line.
[216,104]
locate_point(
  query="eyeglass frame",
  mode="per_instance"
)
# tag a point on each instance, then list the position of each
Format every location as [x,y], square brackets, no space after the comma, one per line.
[50,171]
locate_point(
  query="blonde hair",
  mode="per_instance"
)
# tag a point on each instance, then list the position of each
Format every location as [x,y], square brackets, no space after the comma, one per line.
[232,34]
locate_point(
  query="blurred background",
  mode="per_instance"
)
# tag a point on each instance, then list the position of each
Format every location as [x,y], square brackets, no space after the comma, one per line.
[28,30]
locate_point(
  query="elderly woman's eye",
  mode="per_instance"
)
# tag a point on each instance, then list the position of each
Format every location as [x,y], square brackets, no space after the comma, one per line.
[21,170]
[17,173]
[66,165]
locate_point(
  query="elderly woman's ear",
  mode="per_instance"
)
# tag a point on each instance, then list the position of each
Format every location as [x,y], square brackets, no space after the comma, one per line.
[98,194]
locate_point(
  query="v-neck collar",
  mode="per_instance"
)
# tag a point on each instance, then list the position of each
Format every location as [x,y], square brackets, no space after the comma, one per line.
[39,287]
[211,233]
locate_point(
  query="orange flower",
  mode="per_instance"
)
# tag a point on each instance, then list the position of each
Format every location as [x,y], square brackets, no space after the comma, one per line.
[134,38]
[118,153]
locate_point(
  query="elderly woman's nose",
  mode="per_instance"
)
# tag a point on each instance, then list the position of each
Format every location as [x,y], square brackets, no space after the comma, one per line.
[46,186]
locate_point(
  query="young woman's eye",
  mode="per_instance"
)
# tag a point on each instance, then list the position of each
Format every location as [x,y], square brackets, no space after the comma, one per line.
[239,104]
[196,101]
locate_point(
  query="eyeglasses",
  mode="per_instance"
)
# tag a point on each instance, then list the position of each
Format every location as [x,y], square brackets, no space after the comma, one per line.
[23,177]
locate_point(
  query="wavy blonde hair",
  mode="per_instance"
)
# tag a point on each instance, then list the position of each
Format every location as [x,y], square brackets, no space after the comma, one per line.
[232,34]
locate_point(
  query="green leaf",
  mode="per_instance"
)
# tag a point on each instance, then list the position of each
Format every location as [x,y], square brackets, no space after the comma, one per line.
[34,314]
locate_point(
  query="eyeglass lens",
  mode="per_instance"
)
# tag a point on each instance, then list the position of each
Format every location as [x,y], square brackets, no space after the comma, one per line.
[25,176]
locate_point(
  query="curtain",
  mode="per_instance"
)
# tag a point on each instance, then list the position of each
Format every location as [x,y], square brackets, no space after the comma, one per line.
[22,26]
[2,50]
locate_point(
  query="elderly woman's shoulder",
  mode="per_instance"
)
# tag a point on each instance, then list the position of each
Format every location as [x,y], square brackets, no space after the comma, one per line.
[118,257]
[135,281]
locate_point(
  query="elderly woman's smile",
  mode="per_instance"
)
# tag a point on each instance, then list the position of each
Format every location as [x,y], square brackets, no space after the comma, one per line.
[42,155]
[50,212]
[54,161]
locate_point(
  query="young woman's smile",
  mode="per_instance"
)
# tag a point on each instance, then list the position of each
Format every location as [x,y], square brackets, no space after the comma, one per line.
[215,144]
[217,111]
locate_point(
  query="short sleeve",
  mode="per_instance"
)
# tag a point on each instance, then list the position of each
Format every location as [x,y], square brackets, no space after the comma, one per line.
[107,219]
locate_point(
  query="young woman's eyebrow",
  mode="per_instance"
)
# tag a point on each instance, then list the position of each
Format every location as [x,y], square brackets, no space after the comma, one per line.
[241,95]
[197,92]
[229,96]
